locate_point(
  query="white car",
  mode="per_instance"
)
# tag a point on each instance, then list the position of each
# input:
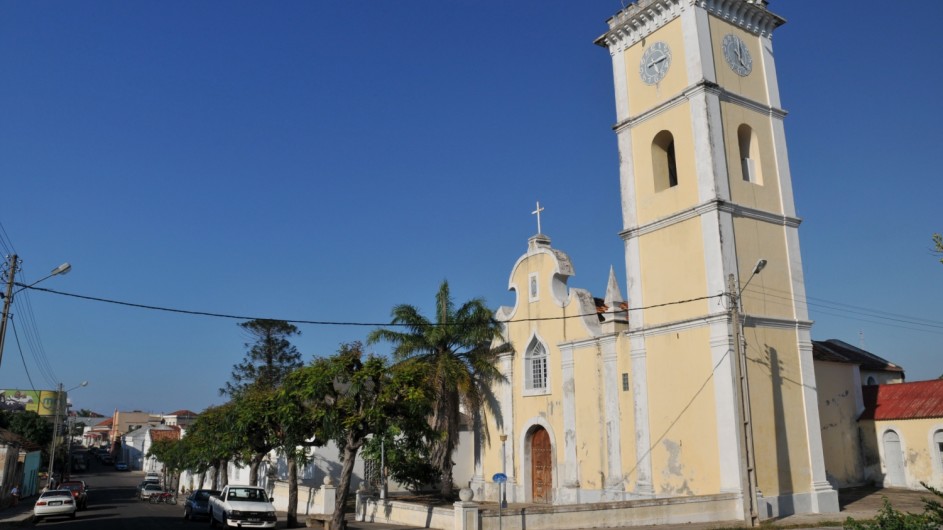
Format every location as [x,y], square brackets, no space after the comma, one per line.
[54,502]
[150,489]
[150,475]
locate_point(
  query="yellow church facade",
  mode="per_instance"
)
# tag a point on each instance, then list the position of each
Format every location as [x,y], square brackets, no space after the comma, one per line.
[700,381]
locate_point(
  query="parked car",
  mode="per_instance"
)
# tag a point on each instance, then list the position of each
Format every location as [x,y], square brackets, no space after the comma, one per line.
[198,504]
[54,502]
[151,475]
[79,493]
[150,489]
[121,465]
[107,459]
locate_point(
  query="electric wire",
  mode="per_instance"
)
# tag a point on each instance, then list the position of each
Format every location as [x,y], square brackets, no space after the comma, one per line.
[22,358]
[334,323]
[31,333]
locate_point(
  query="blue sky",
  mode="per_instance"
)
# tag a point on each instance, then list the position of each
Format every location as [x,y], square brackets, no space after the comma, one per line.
[327,160]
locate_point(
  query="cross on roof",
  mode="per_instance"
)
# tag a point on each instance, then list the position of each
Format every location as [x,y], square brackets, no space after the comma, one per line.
[537,213]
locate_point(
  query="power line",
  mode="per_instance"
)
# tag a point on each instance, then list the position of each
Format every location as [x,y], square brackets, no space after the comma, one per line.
[18,347]
[328,322]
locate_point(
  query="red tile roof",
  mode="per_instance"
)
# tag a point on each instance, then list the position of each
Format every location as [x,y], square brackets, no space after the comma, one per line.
[106,423]
[904,401]
[183,412]
[170,433]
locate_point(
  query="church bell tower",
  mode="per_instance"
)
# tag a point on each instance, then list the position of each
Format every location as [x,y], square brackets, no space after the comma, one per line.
[706,194]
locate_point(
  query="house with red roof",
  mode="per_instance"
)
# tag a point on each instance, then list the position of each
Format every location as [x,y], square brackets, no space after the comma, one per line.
[902,434]
[876,428]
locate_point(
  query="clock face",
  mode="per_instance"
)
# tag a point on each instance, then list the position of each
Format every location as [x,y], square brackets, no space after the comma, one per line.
[655,63]
[737,55]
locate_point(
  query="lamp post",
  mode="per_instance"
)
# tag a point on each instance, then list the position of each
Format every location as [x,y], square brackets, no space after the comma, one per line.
[55,428]
[8,296]
[747,455]
[504,469]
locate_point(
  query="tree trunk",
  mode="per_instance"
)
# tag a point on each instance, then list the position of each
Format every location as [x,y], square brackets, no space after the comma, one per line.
[223,473]
[254,468]
[202,477]
[343,489]
[292,491]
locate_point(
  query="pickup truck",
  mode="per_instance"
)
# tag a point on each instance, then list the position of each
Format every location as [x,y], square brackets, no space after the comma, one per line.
[242,507]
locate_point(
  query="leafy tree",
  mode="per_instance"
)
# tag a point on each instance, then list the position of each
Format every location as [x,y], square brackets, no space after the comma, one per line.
[171,453]
[270,357]
[29,425]
[458,355]
[346,399]
[280,423]
[268,360]
[938,245]
[211,442]
[85,413]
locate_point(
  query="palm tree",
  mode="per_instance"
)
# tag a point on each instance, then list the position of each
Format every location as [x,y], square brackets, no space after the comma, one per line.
[460,354]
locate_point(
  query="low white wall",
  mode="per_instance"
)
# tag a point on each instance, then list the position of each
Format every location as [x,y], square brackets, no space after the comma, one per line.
[373,510]
[310,499]
[671,511]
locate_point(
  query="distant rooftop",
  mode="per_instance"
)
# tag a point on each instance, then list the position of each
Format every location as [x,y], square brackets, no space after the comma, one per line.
[838,351]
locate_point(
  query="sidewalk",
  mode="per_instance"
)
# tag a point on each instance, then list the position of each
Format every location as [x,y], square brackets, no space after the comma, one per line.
[858,503]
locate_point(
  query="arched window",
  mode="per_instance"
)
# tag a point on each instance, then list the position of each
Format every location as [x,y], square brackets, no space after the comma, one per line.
[749,155]
[664,162]
[871,381]
[535,369]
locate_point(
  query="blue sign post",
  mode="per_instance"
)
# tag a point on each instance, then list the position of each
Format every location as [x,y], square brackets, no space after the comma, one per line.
[500,479]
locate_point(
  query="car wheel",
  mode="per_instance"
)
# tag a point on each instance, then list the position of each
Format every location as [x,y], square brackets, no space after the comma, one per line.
[72,515]
[37,518]
[186,514]
[212,521]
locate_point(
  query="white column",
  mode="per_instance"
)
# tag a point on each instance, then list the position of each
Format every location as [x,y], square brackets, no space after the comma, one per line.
[615,485]
[571,479]
[643,436]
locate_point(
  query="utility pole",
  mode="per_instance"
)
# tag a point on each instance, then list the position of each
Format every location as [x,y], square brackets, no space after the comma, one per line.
[747,456]
[55,434]
[7,299]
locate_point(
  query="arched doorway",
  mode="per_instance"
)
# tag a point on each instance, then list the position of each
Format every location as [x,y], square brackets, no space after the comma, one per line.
[893,460]
[541,458]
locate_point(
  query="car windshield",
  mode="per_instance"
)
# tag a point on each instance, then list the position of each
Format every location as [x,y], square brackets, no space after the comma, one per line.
[151,487]
[247,494]
[74,486]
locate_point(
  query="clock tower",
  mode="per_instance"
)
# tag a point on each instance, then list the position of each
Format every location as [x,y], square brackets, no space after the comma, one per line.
[706,195]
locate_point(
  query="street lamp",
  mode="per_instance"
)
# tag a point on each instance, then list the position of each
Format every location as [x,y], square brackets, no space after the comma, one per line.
[748,456]
[55,428]
[504,469]
[8,297]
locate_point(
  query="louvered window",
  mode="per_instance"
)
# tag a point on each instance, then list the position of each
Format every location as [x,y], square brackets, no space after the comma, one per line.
[536,372]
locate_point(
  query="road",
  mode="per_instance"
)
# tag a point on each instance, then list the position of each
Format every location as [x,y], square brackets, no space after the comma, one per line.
[113,505]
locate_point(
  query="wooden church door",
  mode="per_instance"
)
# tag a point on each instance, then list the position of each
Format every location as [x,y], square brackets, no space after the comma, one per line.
[541,466]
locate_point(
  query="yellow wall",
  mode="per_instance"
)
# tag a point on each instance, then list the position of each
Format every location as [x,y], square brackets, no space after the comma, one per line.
[921,460]
[838,412]
[752,86]
[764,196]
[683,417]
[644,97]
[779,424]
[769,293]
[673,267]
